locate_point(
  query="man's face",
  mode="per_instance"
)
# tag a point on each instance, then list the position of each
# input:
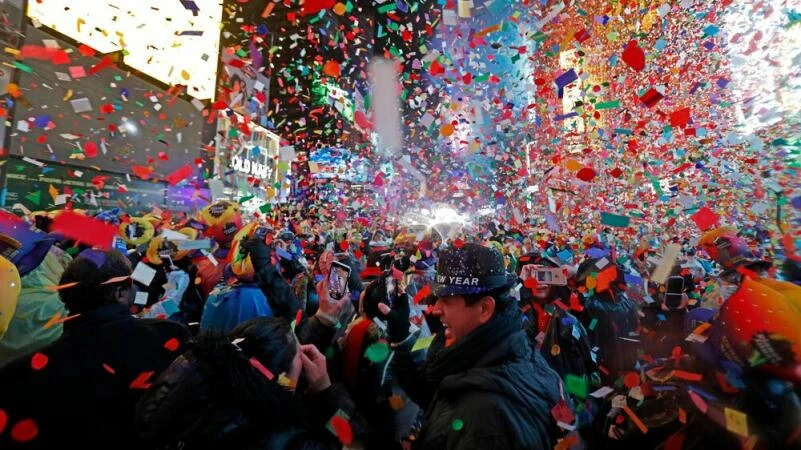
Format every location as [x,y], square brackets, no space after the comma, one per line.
[458,319]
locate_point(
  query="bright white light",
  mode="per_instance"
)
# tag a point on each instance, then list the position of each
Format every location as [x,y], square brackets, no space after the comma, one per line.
[129,126]
[160,37]
[446,215]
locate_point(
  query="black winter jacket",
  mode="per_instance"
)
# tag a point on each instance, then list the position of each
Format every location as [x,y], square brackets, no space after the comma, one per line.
[503,400]
[83,390]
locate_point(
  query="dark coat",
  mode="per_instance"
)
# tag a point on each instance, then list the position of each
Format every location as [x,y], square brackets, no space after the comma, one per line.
[213,402]
[94,375]
[503,401]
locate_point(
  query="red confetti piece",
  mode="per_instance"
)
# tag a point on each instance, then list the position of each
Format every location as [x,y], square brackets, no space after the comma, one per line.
[680,117]
[313,7]
[172,345]
[422,294]
[586,174]
[3,420]
[634,56]
[85,229]
[344,245]
[458,243]
[260,367]
[705,218]
[90,148]
[38,361]
[141,382]
[109,369]
[142,172]
[104,63]
[25,430]
[85,50]
[179,175]
[651,98]
[342,430]
[631,380]
[332,69]
[298,316]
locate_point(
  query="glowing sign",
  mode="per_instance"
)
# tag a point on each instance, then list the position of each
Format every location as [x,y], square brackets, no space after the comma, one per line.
[175,42]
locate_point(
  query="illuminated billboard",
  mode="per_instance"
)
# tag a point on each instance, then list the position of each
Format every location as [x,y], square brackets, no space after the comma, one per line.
[174,42]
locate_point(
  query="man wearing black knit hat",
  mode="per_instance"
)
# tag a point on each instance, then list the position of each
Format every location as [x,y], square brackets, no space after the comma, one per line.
[480,384]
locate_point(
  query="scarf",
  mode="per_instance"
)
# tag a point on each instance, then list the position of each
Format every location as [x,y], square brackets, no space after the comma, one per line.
[471,350]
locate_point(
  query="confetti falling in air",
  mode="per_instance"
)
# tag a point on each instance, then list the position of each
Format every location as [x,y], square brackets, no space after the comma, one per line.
[38,361]
[172,344]
[142,381]
[342,429]
[25,430]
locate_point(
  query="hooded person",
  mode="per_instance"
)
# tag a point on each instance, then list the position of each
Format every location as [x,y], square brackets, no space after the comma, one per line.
[242,298]
[480,385]
[80,391]
[242,390]
[33,323]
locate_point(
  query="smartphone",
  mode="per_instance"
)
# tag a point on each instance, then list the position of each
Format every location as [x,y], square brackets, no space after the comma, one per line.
[392,289]
[553,276]
[675,288]
[338,277]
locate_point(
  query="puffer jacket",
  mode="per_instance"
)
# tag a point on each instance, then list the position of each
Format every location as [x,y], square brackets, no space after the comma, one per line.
[36,306]
[505,405]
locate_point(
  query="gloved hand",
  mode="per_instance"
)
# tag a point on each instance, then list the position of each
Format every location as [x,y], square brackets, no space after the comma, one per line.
[397,318]
[260,253]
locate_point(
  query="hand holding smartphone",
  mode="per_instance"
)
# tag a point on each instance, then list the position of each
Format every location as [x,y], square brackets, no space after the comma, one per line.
[338,277]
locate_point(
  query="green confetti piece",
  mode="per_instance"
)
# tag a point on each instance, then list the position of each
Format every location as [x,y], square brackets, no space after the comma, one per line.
[623,131]
[615,220]
[457,424]
[608,105]
[593,323]
[377,352]
[265,208]
[423,343]
[23,67]
[72,251]
[246,198]
[576,385]
[387,8]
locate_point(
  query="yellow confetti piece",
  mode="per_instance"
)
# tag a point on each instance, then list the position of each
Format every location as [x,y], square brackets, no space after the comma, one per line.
[79,23]
[185,75]
[12,51]
[68,95]
[736,422]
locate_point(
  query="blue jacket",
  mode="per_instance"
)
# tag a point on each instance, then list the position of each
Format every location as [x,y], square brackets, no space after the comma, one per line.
[228,307]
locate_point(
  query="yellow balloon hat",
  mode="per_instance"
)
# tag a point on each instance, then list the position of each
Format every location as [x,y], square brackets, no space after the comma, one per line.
[9,293]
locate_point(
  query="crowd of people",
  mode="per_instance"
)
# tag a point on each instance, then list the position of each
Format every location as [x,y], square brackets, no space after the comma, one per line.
[295,332]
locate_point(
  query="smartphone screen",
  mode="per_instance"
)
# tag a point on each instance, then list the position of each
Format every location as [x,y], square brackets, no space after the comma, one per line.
[675,286]
[338,280]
